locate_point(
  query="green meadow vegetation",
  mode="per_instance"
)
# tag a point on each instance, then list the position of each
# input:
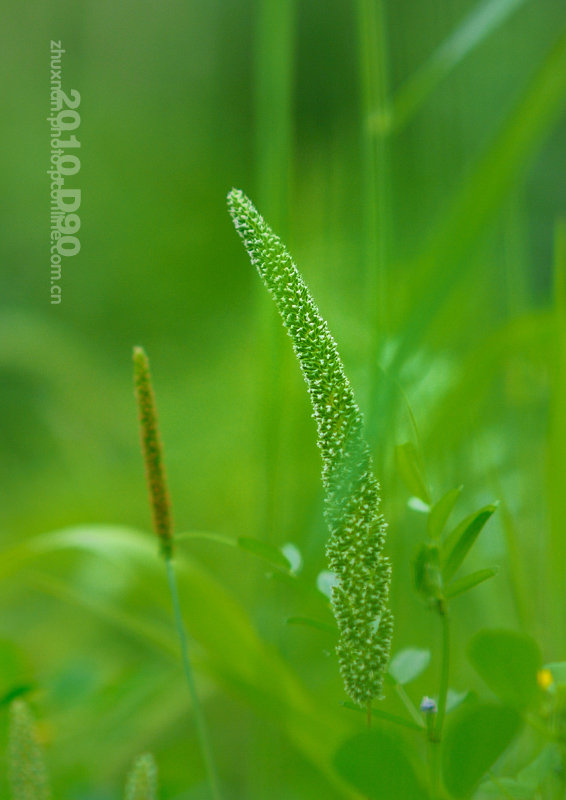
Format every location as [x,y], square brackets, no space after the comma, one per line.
[235,626]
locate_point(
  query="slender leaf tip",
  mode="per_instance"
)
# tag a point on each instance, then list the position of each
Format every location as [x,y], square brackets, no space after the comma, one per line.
[152,451]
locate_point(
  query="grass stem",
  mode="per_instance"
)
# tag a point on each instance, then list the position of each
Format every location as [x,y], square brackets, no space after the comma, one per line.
[444,674]
[200,722]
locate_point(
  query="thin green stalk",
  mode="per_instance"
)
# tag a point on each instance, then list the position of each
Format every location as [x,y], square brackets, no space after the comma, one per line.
[200,722]
[152,450]
[444,673]
[434,762]
[409,705]
[436,723]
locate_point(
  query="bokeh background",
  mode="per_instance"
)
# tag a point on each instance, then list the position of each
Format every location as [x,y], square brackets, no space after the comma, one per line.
[411,155]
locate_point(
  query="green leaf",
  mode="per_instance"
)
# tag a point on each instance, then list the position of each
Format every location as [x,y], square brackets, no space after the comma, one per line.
[473,208]
[376,764]
[482,20]
[377,712]
[142,780]
[410,470]
[440,511]
[408,664]
[505,788]
[558,671]
[508,662]
[313,623]
[455,699]
[265,551]
[469,582]
[459,543]
[475,738]
[548,762]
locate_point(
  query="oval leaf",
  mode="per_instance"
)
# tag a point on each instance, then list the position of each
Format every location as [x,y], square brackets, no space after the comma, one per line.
[375,763]
[475,738]
[408,664]
[508,662]
[264,550]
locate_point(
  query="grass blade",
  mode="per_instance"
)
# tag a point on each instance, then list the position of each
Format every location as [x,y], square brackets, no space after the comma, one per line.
[461,540]
[481,22]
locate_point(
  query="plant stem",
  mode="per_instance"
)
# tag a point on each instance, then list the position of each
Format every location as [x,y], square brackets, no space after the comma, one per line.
[409,705]
[434,760]
[200,722]
[444,673]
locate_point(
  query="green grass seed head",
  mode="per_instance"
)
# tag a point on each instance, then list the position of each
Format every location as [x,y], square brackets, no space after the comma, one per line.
[142,780]
[357,529]
[28,776]
[153,452]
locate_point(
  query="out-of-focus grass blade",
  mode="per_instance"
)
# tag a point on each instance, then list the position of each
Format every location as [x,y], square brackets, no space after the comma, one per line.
[461,540]
[440,512]
[235,654]
[480,23]
[481,197]
[264,550]
[411,471]
[557,446]
[469,582]
[531,333]
[313,623]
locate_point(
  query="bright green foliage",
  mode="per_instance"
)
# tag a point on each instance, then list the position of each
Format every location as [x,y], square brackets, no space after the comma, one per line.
[357,529]
[475,738]
[508,662]
[376,764]
[27,769]
[441,556]
[142,780]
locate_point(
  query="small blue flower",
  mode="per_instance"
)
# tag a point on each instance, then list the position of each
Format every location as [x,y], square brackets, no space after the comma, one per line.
[428,705]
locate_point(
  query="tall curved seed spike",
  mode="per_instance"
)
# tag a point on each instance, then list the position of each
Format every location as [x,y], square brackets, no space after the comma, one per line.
[357,529]
[28,776]
[142,780]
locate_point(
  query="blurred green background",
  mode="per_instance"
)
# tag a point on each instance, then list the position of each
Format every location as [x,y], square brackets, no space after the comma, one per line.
[411,156]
